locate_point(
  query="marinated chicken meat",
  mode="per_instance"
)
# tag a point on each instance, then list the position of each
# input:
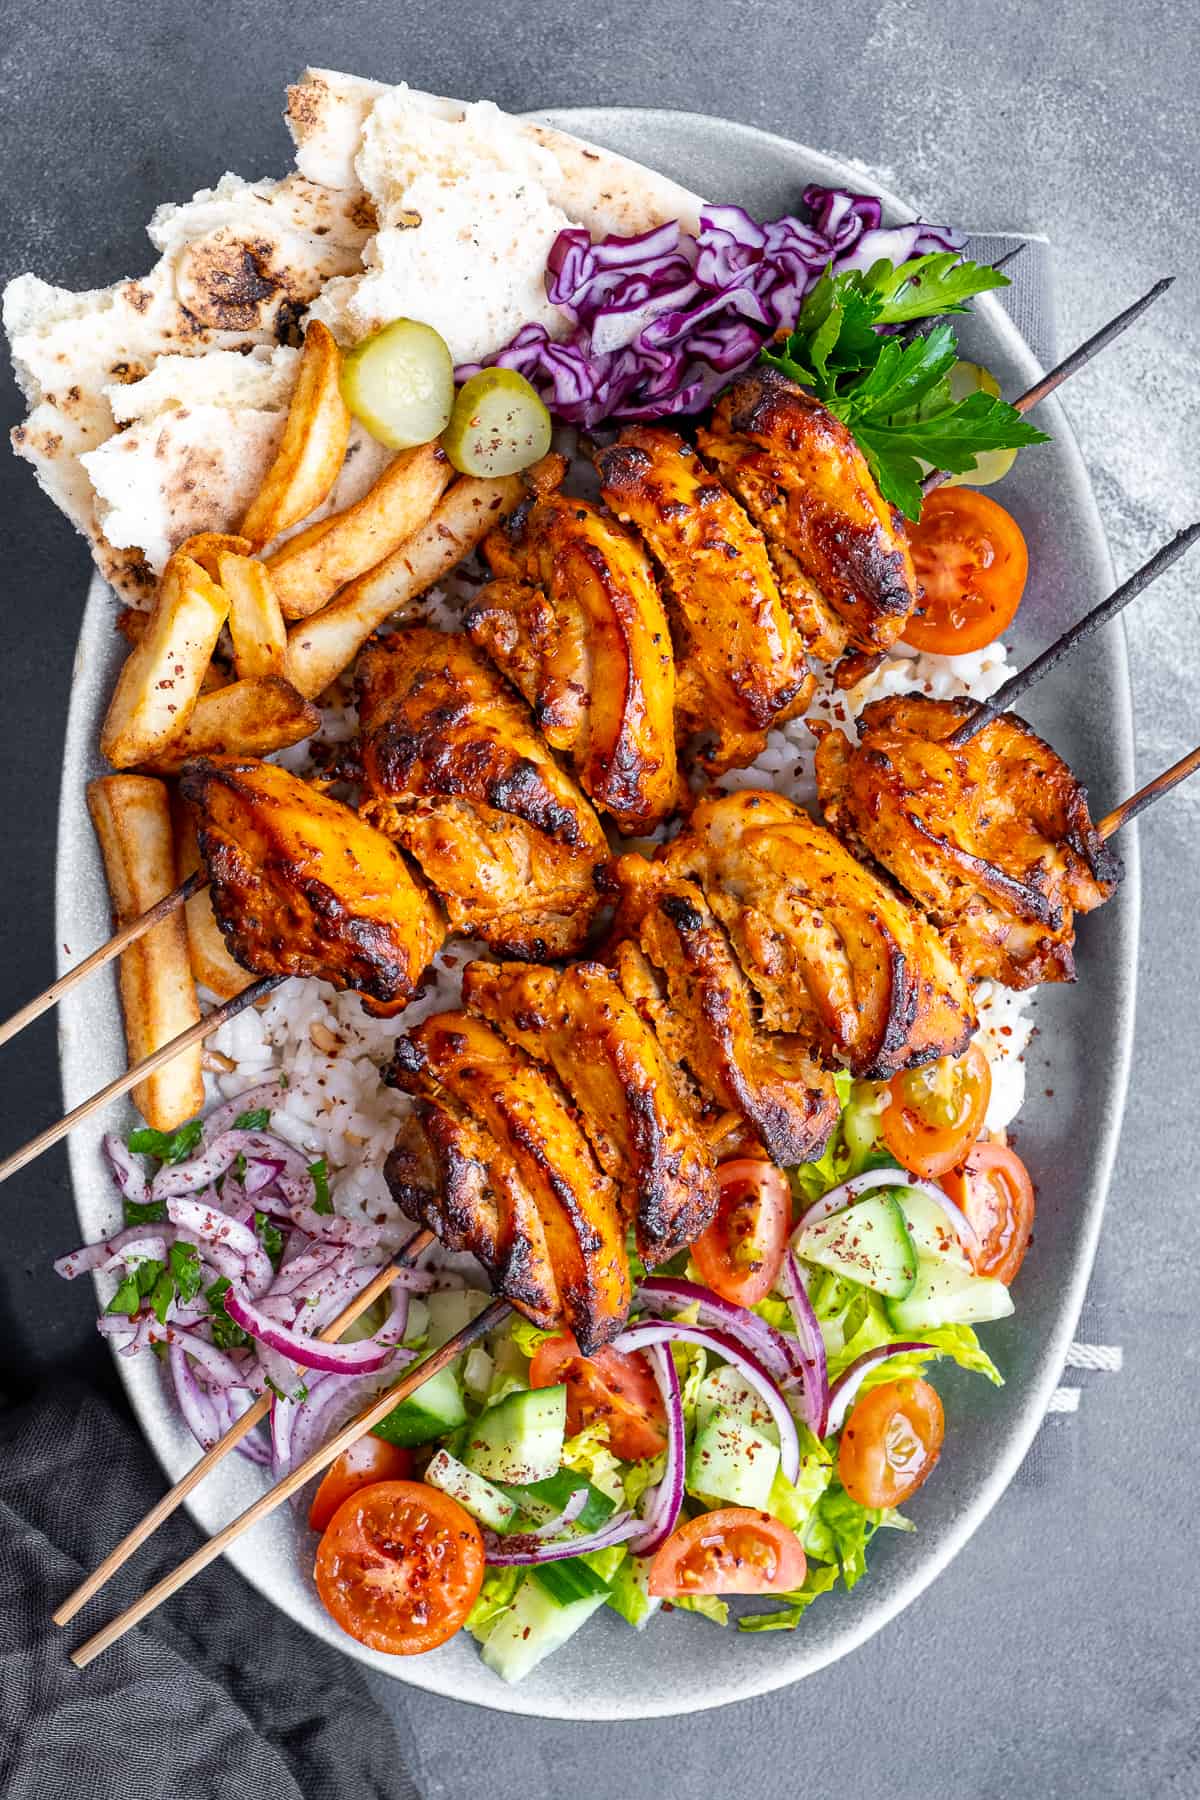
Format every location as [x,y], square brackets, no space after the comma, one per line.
[677,966]
[494,1154]
[641,1123]
[741,664]
[835,956]
[453,770]
[576,623]
[992,839]
[302,886]
[805,482]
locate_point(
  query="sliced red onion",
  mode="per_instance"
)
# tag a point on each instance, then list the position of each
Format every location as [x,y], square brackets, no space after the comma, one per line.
[300,1274]
[150,1247]
[850,1380]
[197,1408]
[396,1323]
[262,1173]
[128,1172]
[268,1093]
[551,1527]
[214,1227]
[812,1347]
[281,1432]
[90,1257]
[526,1548]
[669,1331]
[330,1228]
[332,1402]
[660,1294]
[218,1366]
[663,1506]
[360,1358]
[201,1171]
[849,1191]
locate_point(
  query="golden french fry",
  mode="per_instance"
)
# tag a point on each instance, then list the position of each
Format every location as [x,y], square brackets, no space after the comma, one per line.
[206,547]
[314,443]
[311,567]
[162,677]
[255,621]
[247,718]
[212,965]
[321,647]
[132,817]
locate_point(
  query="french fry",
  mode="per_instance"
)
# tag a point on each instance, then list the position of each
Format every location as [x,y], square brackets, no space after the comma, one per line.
[311,567]
[255,621]
[212,965]
[206,547]
[321,647]
[313,447]
[132,817]
[247,718]
[163,674]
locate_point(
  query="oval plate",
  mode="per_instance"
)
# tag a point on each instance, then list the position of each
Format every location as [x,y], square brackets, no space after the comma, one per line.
[682,1664]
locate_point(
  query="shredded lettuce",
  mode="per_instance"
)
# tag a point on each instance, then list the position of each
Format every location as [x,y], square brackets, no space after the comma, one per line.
[820,1577]
[640,1476]
[709,1606]
[840,1530]
[628,1595]
[869,1326]
[792,1503]
[588,1454]
[528,1337]
[497,1594]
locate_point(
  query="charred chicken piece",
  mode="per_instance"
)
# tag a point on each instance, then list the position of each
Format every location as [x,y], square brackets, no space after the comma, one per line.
[836,957]
[675,963]
[803,479]
[576,622]
[302,886]
[453,770]
[993,840]
[640,1122]
[741,663]
[497,1134]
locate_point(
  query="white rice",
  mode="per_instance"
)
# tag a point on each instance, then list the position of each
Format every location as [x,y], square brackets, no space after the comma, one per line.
[332,1051]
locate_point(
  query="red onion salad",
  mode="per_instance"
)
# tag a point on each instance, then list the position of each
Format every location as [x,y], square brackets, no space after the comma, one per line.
[660,322]
[270,1308]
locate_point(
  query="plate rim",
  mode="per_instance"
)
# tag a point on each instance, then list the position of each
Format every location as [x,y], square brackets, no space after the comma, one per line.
[80,760]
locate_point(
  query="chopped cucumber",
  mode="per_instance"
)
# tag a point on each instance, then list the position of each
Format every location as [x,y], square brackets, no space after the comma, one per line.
[726,1390]
[521,1439]
[931,1232]
[400,383]
[731,1461]
[450,1311]
[867,1242]
[499,425]
[478,1371]
[483,1501]
[533,1627]
[946,1295]
[570,1580]
[541,1500]
[630,1595]
[434,1409]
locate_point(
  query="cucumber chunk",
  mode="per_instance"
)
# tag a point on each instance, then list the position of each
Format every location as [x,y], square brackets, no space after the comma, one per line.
[946,1295]
[570,1580]
[400,383]
[867,1242]
[534,1626]
[483,1501]
[542,1500]
[449,1310]
[932,1234]
[521,1439]
[434,1409]
[499,425]
[731,1461]
[727,1391]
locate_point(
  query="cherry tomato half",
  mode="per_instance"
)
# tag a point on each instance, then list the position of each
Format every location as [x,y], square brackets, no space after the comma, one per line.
[890,1443]
[937,1112]
[993,1188]
[400,1566]
[739,1256]
[611,1385]
[733,1551]
[972,561]
[368,1460]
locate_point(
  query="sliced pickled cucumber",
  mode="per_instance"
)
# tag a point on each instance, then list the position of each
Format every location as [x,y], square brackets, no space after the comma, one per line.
[499,425]
[400,383]
[968,378]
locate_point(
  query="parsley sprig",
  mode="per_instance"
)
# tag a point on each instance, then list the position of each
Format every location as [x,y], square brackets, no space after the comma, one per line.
[892,390]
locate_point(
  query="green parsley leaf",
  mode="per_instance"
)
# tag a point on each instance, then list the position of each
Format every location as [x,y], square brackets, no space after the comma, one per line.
[185,1267]
[148,1213]
[925,287]
[226,1335]
[269,1236]
[161,1295]
[239,1166]
[258,1120]
[126,1299]
[320,1177]
[168,1147]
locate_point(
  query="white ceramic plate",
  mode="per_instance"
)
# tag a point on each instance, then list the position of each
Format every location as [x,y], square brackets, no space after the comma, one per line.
[683,1664]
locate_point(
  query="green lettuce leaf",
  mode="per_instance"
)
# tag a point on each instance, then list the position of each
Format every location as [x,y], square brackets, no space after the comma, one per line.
[588,1454]
[495,1597]
[709,1606]
[628,1595]
[819,1578]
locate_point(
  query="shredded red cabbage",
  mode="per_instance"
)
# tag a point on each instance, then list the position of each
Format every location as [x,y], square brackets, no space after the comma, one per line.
[660,322]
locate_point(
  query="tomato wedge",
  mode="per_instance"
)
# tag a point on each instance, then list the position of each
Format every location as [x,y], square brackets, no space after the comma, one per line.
[740,1254]
[609,1385]
[400,1566]
[733,1551]
[891,1442]
[993,1188]
[937,1112]
[972,561]
[368,1460]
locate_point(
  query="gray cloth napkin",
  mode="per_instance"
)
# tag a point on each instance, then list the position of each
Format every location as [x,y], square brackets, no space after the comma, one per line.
[216,1697]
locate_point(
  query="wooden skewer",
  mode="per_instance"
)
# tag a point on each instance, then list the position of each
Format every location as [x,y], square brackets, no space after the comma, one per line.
[1078,359]
[128,934]
[195,1034]
[488,1320]
[1077,634]
[1153,790]
[116,1559]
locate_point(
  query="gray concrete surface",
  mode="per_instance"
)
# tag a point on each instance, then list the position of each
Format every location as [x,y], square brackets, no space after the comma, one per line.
[1058,1656]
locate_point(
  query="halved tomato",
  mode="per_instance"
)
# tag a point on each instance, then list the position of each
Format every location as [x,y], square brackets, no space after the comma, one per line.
[740,1254]
[937,1112]
[733,1551]
[993,1188]
[400,1566]
[367,1460]
[611,1385]
[972,561]
[891,1442]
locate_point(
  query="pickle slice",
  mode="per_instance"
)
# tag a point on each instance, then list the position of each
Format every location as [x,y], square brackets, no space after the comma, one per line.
[400,383]
[968,378]
[499,425]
